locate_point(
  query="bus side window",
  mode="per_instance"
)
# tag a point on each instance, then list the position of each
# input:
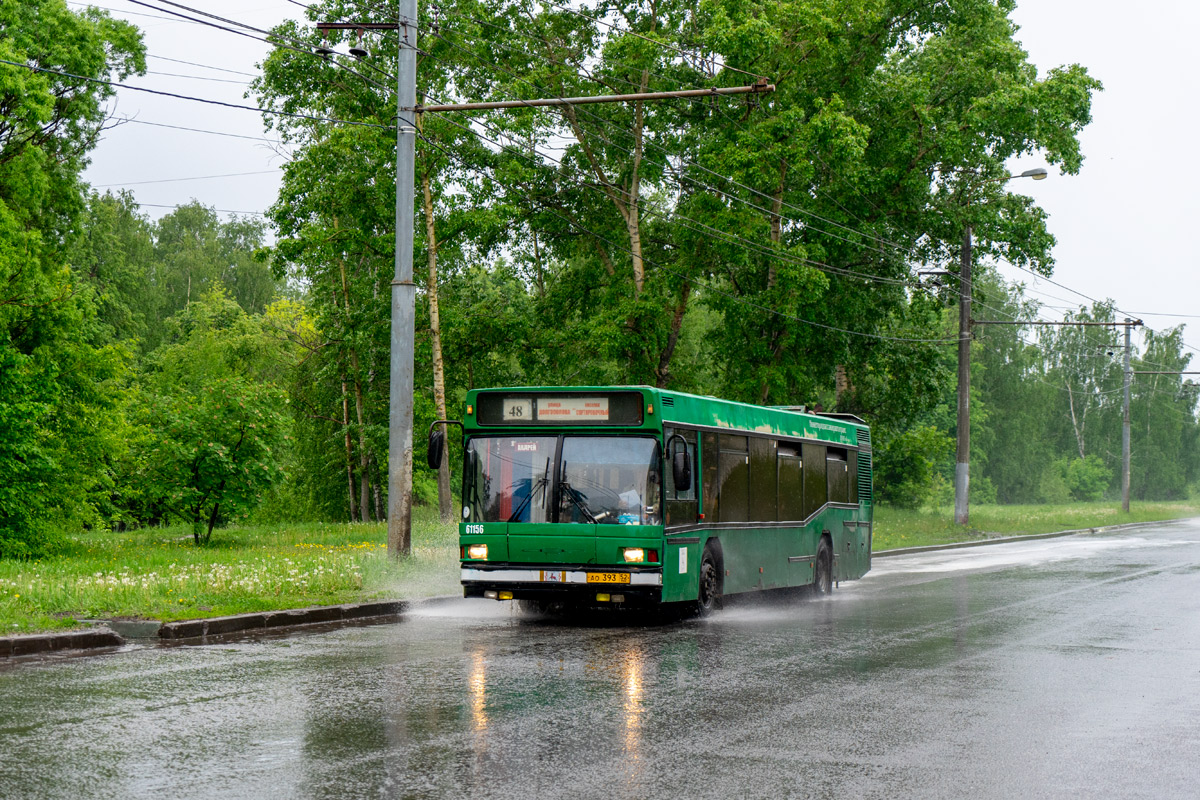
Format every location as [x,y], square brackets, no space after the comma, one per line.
[733,478]
[791,486]
[816,492]
[763,480]
[708,459]
[852,461]
[836,469]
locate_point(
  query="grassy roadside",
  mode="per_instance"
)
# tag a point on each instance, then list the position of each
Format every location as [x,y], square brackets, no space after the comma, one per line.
[900,528]
[159,573]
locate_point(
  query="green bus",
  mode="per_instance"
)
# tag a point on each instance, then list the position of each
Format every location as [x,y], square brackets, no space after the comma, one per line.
[641,496]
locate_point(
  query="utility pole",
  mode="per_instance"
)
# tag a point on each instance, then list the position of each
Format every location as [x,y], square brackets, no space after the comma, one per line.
[400,407]
[1125,422]
[962,458]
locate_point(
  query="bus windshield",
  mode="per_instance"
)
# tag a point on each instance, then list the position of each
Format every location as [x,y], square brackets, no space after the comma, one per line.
[610,480]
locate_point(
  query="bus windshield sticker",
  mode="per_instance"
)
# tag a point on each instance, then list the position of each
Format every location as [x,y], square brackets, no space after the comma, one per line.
[518,409]
[578,409]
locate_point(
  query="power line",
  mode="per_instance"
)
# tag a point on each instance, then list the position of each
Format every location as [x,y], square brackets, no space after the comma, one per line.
[218,210]
[202,66]
[197,77]
[113,84]
[197,130]
[124,12]
[180,180]
[296,46]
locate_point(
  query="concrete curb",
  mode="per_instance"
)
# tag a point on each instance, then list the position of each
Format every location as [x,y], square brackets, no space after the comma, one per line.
[903,551]
[274,620]
[35,643]
[198,629]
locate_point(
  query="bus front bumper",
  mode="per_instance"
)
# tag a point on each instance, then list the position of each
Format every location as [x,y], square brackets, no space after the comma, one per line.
[570,584]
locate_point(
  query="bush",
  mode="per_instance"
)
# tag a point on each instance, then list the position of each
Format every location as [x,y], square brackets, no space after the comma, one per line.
[1087,478]
[1080,479]
[904,474]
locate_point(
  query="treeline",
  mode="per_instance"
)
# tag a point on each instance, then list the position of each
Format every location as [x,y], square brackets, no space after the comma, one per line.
[758,248]
[1047,408]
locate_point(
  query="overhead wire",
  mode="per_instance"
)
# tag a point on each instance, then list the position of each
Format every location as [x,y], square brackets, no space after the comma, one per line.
[131,120]
[266,36]
[180,180]
[273,112]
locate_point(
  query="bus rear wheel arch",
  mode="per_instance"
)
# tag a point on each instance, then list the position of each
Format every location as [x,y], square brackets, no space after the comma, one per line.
[711,579]
[823,568]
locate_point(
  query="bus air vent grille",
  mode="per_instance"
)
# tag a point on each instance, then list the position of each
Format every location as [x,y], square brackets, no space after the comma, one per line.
[668,401]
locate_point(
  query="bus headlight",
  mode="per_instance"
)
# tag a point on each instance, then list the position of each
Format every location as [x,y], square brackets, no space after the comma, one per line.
[477,551]
[633,555]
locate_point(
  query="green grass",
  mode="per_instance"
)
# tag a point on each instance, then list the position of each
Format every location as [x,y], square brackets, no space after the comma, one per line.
[159,573]
[900,528]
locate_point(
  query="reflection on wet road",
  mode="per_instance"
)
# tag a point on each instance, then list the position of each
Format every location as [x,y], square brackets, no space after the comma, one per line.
[1055,668]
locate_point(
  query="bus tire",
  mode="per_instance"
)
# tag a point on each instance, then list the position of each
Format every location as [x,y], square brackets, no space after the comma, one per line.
[708,597]
[823,577]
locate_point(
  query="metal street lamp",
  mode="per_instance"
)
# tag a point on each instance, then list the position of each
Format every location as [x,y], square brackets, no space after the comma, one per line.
[963,449]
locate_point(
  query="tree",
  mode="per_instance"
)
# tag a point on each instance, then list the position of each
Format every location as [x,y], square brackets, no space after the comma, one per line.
[213,419]
[60,408]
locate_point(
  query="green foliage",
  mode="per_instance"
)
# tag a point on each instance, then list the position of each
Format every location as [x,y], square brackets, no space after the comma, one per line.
[213,451]
[904,465]
[1086,478]
[61,422]
[213,421]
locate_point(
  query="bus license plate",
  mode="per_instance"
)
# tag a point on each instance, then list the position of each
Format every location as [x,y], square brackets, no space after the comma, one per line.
[608,577]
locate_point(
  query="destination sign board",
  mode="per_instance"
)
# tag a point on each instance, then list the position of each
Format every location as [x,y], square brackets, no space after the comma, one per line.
[556,409]
[573,409]
[609,408]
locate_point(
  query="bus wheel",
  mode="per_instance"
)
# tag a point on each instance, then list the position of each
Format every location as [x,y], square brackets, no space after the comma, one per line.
[709,596]
[823,582]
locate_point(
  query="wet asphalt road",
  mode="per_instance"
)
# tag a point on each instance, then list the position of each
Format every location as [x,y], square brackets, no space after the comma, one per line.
[1057,668]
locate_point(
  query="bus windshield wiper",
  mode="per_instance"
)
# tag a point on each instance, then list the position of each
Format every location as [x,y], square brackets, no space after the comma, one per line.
[540,486]
[577,498]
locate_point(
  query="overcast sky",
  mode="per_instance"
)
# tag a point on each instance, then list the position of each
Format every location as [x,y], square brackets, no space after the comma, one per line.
[1122,224]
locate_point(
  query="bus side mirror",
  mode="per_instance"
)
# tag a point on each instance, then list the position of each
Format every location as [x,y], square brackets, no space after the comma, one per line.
[437,443]
[681,470]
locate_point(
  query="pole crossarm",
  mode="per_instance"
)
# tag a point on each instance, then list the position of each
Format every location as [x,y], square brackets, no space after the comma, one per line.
[1150,372]
[1135,323]
[357,26]
[762,87]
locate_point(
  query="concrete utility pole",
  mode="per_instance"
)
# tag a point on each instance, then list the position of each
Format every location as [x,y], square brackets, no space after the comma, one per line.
[962,453]
[400,408]
[962,458]
[1125,422]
